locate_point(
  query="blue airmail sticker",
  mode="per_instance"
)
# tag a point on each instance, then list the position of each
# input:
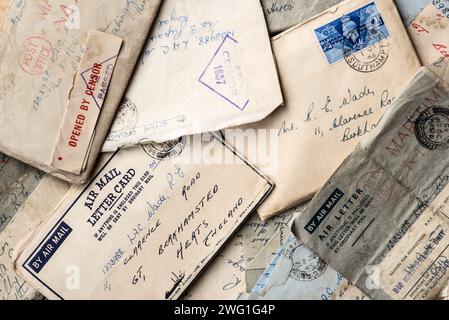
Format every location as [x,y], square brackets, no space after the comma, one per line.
[358,37]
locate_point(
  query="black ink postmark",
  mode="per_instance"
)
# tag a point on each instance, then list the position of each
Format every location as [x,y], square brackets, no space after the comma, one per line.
[165,151]
[432,128]
[307,265]
[364,58]
[125,121]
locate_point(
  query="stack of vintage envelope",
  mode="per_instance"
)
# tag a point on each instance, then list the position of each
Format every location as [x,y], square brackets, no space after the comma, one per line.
[160,149]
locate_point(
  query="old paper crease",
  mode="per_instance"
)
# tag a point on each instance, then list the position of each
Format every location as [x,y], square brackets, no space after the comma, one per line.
[41,46]
[204,68]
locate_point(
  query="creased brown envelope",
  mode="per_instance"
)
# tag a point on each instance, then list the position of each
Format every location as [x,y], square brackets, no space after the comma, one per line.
[27,219]
[207,66]
[382,220]
[146,225]
[64,67]
[429,33]
[340,72]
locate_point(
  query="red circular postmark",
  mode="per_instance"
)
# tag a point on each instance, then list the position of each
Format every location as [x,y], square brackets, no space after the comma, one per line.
[383,187]
[37,55]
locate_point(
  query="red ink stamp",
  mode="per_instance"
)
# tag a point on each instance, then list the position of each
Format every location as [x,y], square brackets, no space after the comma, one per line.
[37,55]
[381,186]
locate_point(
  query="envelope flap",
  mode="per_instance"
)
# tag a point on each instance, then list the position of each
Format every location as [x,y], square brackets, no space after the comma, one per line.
[85,103]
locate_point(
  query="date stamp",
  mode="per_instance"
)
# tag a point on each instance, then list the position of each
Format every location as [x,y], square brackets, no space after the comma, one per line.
[165,151]
[125,121]
[307,266]
[432,128]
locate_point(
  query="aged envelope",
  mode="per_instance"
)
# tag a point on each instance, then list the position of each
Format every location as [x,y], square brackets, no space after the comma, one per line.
[382,219]
[225,277]
[17,181]
[409,10]
[296,273]
[205,67]
[429,33]
[34,210]
[148,222]
[260,250]
[283,14]
[64,68]
[10,171]
[340,72]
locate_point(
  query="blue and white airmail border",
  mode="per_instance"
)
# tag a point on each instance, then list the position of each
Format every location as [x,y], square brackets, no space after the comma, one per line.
[353,31]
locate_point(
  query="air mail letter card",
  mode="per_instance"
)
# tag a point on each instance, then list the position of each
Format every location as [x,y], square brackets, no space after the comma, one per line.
[146,225]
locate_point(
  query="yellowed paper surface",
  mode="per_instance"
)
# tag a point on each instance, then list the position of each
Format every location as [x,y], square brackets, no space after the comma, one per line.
[205,67]
[26,221]
[148,223]
[429,33]
[44,48]
[329,107]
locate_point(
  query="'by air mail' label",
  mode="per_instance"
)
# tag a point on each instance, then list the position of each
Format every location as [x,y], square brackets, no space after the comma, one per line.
[324,211]
[49,247]
[352,33]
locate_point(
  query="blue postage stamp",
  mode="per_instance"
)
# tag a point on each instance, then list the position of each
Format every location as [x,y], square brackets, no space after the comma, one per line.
[352,33]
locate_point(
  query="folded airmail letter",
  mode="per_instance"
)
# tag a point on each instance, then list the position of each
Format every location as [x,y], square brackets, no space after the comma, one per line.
[340,72]
[283,14]
[382,220]
[146,224]
[296,273]
[429,33]
[205,67]
[63,70]
[224,278]
[32,213]
[260,251]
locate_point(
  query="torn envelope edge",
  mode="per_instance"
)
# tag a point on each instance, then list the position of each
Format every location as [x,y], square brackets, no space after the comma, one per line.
[230,122]
[34,227]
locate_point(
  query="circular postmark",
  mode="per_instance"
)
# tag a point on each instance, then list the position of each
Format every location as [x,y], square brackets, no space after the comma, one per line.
[432,128]
[365,51]
[165,151]
[307,265]
[37,55]
[126,118]
[381,186]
